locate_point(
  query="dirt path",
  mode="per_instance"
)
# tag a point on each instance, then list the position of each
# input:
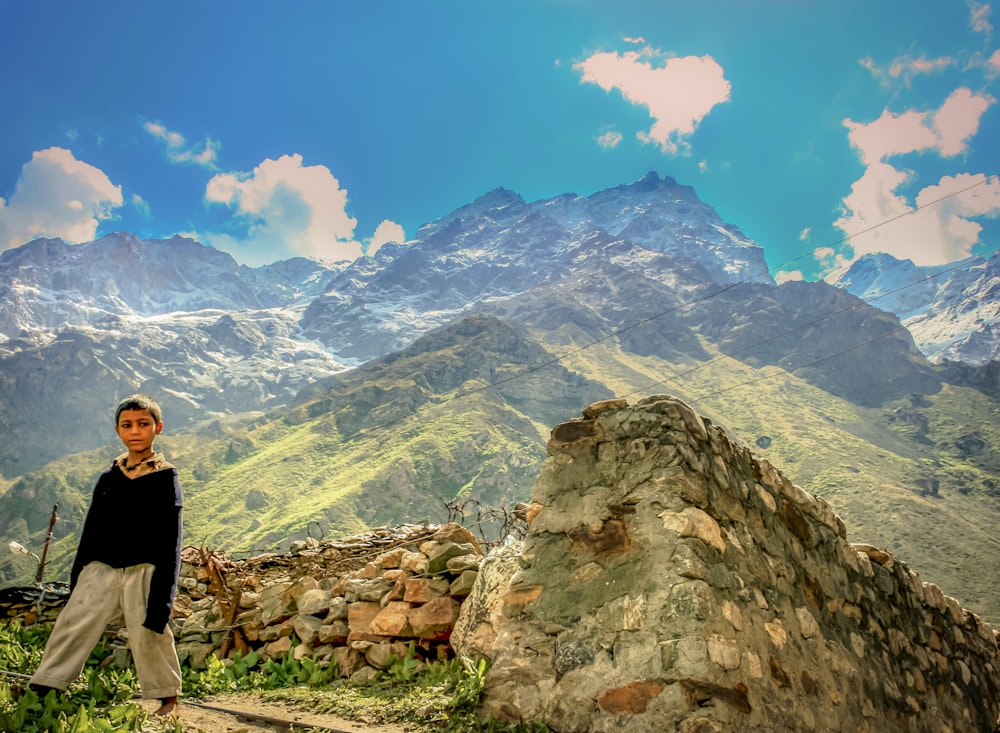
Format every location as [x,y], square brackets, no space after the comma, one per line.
[200,716]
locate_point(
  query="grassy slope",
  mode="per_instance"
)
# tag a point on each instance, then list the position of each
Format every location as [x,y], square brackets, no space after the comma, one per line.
[311,475]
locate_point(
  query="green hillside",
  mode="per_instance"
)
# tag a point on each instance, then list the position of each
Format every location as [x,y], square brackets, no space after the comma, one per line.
[393,441]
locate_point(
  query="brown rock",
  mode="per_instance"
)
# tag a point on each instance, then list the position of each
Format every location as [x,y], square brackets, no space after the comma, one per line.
[314,601]
[435,619]
[333,633]
[632,698]
[393,620]
[421,590]
[359,618]
[280,648]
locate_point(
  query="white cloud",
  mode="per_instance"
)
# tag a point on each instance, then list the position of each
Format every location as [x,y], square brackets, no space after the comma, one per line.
[979,17]
[387,231]
[678,94]
[946,130]
[833,262]
[286,209]
[140,204]
[958,120]
[931,232]
[785,276]
[905,68]
[203,154]
[57,196]
[876,217]
[890,135]
[805,234]
[993,64]
[610,139]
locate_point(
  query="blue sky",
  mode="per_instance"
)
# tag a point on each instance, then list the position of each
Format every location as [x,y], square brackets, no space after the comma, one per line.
[325,128]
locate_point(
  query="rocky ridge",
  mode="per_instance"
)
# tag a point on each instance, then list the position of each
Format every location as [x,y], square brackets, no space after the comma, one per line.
[670,580]
[355,602]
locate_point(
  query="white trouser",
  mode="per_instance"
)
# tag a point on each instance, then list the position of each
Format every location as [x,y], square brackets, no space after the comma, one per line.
[102,593]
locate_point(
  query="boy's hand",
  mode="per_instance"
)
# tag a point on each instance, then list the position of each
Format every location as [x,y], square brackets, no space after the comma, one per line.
[154,627]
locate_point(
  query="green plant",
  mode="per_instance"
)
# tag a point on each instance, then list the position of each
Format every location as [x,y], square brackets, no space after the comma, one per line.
[436,696]
[98,706]
[101,701]
[404,669]
[289,672]
[469,687]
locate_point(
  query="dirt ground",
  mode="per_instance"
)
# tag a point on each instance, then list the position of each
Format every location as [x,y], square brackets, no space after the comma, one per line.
[206,716]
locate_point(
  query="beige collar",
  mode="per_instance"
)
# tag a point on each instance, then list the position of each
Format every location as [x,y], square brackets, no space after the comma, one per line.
[155,462]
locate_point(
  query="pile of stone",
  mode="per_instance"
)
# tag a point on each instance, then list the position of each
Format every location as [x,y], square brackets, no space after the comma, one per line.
[33,604]
[356,603]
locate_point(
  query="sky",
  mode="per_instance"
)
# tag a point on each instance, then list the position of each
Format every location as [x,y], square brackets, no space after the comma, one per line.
[326,128]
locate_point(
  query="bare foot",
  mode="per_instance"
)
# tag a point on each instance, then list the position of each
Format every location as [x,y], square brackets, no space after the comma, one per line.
[168,707]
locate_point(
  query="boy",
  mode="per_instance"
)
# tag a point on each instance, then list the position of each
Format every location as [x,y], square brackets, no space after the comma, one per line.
[127,563]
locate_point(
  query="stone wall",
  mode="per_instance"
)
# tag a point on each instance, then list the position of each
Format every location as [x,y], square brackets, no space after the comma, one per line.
[671,581]
[354,603]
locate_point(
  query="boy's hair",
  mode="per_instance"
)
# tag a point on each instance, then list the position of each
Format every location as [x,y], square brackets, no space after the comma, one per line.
[140,402]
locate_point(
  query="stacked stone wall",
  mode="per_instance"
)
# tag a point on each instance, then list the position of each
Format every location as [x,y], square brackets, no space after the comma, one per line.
[356,603]
[670,580]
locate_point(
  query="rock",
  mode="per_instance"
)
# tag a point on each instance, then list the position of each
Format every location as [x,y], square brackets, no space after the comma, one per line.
[421,590]
[414,562]
[380,656]
[314,601]
[359,619]
[333,633]
[279,648]
[306,627]
[276,604]
[477,626]
[463,584]
[461,563]
[348,660]
[439,553]
[435,619]
[393,620]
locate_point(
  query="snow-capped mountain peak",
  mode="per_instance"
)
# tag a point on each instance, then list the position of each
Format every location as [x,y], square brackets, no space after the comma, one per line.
[949,309]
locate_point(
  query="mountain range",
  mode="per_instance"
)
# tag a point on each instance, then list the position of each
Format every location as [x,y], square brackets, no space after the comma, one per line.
[950,310]
[310,397]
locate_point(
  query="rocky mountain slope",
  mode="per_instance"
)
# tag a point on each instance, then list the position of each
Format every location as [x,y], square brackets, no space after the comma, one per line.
[81,325]
[211,337]
[500,247]
[951,310]
[311,398]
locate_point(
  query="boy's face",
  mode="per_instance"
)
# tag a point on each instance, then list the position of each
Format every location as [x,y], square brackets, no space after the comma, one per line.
[137,429]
